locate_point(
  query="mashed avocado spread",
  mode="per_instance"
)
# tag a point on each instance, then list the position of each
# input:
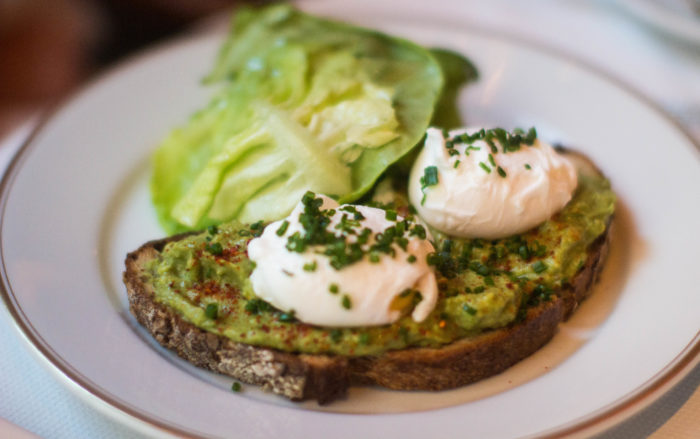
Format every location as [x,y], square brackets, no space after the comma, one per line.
[483,284]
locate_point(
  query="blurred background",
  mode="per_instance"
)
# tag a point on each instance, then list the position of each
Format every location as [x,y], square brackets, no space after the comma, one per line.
[48,47]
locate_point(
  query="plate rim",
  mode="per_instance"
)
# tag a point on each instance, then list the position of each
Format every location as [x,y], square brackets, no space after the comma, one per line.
[606,416]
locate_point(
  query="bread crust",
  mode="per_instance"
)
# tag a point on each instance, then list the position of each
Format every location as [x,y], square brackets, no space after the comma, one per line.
[327,377]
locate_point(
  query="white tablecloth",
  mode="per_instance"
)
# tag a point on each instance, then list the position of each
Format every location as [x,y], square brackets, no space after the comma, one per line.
[663,68]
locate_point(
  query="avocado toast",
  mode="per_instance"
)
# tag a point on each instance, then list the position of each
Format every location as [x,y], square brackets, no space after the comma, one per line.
[214,321]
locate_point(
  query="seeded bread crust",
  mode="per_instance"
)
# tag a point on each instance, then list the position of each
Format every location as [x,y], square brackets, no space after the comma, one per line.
[327,377]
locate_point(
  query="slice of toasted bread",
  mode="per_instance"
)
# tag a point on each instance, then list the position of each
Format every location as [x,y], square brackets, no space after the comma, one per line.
[327,377]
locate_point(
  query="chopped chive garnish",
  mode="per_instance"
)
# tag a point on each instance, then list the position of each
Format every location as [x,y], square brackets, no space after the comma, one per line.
[347,304]
[468,309]
[490,143]
[256,306]
[527,166]
[339,248]
[488,280]
[539,267]
[485,167]
[236,386]
[215,248]
[257,228]
[480,268]
[287,317]
[430,176]
[212,311]
[213,230]
[530,137]
[411,259]
[456,164]
[333,288]
[336,335]
[283,228]
[418,231]
[524,252]
[364,338]
[492,161]
[501,172]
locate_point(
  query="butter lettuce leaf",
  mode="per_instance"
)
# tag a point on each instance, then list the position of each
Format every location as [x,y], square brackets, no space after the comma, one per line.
[300,103]
[457,71]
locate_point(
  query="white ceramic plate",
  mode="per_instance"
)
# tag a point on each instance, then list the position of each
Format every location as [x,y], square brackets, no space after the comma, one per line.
[75,200]
[676,18]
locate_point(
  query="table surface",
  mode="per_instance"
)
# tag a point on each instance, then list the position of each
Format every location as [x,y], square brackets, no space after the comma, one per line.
[660,65]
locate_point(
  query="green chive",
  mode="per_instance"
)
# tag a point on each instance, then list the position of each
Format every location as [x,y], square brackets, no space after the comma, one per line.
[411,259]
[347,304]
[430,176]
[524,252]
[418,231]
[539,267]
[501,172]
[527,166]
[391,215]
[485,167]
[490,143]
[213,230]
[456,164]
[215,248]
[212,311]
[256,306]
[287,317]
[333,288]
[283,228]
[236,386]
[373,258]
[489,281]
[364,338]
[311,266]
[492,161]
[336,335]
[531,136]
[468,309]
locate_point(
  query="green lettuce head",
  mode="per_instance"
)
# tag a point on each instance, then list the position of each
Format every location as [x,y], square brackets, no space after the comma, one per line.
[301,103]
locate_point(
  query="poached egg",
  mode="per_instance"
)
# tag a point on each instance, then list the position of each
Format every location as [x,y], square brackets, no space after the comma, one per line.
[377,289]
[466,184]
